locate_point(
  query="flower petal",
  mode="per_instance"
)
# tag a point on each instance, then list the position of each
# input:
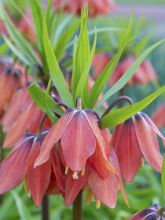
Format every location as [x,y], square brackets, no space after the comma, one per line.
[57,169]
[100,139]
[73,187]
[152,124]
[148,142]
[104,189]
[14,167]
[128,150]
[38,178]
[78,142]
[53,136]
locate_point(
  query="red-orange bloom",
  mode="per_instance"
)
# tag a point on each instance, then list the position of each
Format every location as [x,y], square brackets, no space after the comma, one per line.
[19,165]
[96,7]
[22,115]
[153,213]
[159,116]
[81,141]
[103,189]
[143,75]
[11,78]
[99,63]
[134,138]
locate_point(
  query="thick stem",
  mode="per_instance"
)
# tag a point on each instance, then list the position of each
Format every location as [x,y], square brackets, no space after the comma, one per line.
[45,208]
[77,207]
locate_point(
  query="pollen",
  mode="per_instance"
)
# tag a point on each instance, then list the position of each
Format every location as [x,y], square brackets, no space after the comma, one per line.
[83,172]
[66,170]
[89,197]
[75,176]
[98,204]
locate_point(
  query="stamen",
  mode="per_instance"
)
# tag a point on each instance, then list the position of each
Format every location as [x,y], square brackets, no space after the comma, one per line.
[75,176]
[83,172]
[66,170]
[89,197]
[98,204]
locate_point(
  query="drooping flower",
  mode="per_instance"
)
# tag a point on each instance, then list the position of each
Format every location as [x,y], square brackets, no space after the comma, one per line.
[102,189]
[81,141]
[11,78]
[143,75]
[22,115]
[99,63]
[159,116]
[96,7]
[19,166]
[136,137]
[155,212]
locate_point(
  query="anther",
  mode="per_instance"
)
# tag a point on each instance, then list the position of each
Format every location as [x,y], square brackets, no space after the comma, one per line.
[66,170]
[75,176]
[83,172]
[98,204]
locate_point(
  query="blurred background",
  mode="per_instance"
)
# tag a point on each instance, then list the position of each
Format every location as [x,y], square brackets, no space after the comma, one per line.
[146,188]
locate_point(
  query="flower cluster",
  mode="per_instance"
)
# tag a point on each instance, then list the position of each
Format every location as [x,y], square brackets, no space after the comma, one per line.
[59,143]
[96,7]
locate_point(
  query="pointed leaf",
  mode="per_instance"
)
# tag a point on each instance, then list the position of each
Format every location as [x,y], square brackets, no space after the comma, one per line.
[109,69]
[44,101]
[116,117]
[127,76]
[163,176]
[55,71]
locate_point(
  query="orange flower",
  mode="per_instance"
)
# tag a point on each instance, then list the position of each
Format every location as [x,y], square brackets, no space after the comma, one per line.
[11,78]
[21,116]
[143,75]
[96,7]
[136,137]
[19,165]
[81,140]
[159,116]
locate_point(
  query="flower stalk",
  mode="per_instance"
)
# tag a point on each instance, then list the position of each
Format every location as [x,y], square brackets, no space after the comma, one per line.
[78,207]
[45,208]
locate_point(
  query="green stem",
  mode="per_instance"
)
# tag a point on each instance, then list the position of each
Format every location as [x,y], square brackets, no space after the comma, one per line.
[77,207]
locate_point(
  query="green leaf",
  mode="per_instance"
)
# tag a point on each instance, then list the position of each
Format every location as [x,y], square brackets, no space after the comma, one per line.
[64,39]
[55,71]
[118,116]
[109,69]
[18,53]
[19,205]
[82,88]
[3,49]
[36,8]
[163,177]
[44,101]
[82,52]
[20,42]
[129,73]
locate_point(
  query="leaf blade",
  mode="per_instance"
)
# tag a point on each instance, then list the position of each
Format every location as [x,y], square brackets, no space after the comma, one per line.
[120,115]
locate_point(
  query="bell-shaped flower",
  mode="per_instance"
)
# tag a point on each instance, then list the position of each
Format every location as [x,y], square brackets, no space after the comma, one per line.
[136,137]
[143,75]
[22,115]
[81,140]
[11,78]
[155,212]
[19,166]
[159,116]
[96,7]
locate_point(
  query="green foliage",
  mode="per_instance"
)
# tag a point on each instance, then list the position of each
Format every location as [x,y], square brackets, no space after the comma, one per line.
[44,101]
[129,73]
[120,115]
[55,71]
